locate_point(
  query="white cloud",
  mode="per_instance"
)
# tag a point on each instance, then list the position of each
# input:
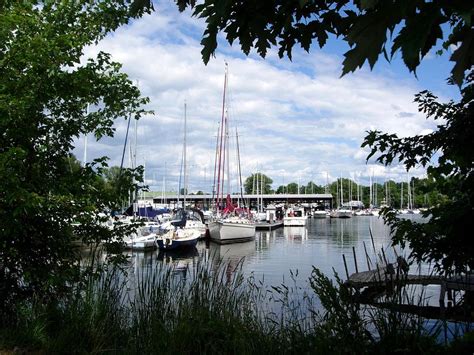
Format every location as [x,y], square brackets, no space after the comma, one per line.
[297,120]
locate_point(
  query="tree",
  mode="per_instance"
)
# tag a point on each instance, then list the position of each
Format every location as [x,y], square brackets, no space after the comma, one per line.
[445,239]
[368,26]
[44,91]
[312,188]
[281,189]
[254,183]
[415,26]
[292,188]
[119,184]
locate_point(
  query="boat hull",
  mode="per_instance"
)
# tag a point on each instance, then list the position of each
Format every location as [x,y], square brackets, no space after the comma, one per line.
[174,244]
[295,221]
[181,239]
[319,214]
[231,232]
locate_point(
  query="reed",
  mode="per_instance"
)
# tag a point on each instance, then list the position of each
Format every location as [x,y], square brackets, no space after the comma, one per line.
[210,310]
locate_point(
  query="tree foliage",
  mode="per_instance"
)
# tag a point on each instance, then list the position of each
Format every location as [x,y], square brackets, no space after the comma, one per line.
[255,182]
[47,200]
[366,25]
[371,28]
[445,239]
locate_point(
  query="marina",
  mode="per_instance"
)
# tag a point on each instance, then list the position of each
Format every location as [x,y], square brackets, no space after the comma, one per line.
[273,253]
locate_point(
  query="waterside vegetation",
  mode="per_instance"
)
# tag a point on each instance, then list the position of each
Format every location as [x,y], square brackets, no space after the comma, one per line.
[49,304]
[212,311]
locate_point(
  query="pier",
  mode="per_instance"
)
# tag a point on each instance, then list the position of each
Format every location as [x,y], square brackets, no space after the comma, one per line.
[387,279]
[206,200]
[268,226]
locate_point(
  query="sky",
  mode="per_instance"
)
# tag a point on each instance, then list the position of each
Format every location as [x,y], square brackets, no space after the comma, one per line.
[298,121]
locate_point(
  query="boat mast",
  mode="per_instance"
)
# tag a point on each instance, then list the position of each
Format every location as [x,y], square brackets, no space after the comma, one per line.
[401,195]
[185,183]
[238,166]
[227,151]
[85,140]
[221,138]
[215,164]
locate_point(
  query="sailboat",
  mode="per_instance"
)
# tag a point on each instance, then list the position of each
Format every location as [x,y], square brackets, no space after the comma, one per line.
[180,233]
[231,223]
[342,211]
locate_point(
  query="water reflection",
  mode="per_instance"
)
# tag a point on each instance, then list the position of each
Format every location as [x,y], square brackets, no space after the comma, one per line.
[295,234]
[179,260]
[274,253]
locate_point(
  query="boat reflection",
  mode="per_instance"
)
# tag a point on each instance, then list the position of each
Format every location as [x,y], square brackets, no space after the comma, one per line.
[297,234]
[179,260]
[264,239]
[231,256]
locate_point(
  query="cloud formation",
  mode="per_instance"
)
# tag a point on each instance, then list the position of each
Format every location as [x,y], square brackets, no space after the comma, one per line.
[297,121]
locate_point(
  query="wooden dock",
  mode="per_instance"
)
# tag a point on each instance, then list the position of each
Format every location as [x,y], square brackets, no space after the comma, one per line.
[384,278]
[267,226]
[380,275]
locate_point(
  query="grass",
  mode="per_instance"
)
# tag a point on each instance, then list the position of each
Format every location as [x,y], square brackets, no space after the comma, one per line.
[211,312]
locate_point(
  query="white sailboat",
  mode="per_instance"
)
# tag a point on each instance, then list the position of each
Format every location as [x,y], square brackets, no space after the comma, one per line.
[183,231]
[231,224]
[342,211]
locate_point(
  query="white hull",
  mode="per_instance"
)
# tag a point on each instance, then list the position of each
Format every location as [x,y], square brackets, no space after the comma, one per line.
[341,214]
[294,221]
[231,231]
[141,243]
[319,214]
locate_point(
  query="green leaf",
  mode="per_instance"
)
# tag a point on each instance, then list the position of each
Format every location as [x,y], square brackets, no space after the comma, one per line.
[418,36]
[463,56]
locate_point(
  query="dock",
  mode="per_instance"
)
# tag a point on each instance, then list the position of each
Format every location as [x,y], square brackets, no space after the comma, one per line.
[268,226]
[372,286]
[380,275]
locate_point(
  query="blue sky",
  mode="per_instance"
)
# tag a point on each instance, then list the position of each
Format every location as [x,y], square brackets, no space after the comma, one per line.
[298,120]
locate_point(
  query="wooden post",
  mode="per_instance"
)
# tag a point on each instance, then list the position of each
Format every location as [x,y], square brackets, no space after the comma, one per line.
[372,239]
[384,258]
[367,256]
[442,294]
[355,259]
[345,266]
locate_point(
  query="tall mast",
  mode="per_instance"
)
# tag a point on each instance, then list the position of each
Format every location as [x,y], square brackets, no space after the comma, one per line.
[185,183]
[342,191]
[85,140]
[227,151]
[371,204]
[401,195]
[221,138]
[238,166]
[215,163]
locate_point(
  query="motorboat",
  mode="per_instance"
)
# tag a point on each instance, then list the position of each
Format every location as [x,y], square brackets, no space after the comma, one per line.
[295,216]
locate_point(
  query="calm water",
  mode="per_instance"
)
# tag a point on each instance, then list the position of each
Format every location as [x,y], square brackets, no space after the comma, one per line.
[322,243]
[272,255]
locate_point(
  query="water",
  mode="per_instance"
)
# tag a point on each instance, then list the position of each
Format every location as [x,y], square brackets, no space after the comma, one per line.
[270,257]
[273,257]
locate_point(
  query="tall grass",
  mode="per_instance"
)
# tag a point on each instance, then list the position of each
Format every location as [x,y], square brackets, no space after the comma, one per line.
[211,311]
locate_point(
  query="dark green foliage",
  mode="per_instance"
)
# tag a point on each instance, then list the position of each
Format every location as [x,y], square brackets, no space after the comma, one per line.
[250,184]
[448,154]
[48,202]
[214,311]
[367,26]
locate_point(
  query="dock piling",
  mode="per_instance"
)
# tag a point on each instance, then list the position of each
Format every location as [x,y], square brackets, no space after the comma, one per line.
[367,258]
[355,259]
[345,266]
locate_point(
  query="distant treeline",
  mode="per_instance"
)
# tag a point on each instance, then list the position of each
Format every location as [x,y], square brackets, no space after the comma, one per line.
[420,192]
